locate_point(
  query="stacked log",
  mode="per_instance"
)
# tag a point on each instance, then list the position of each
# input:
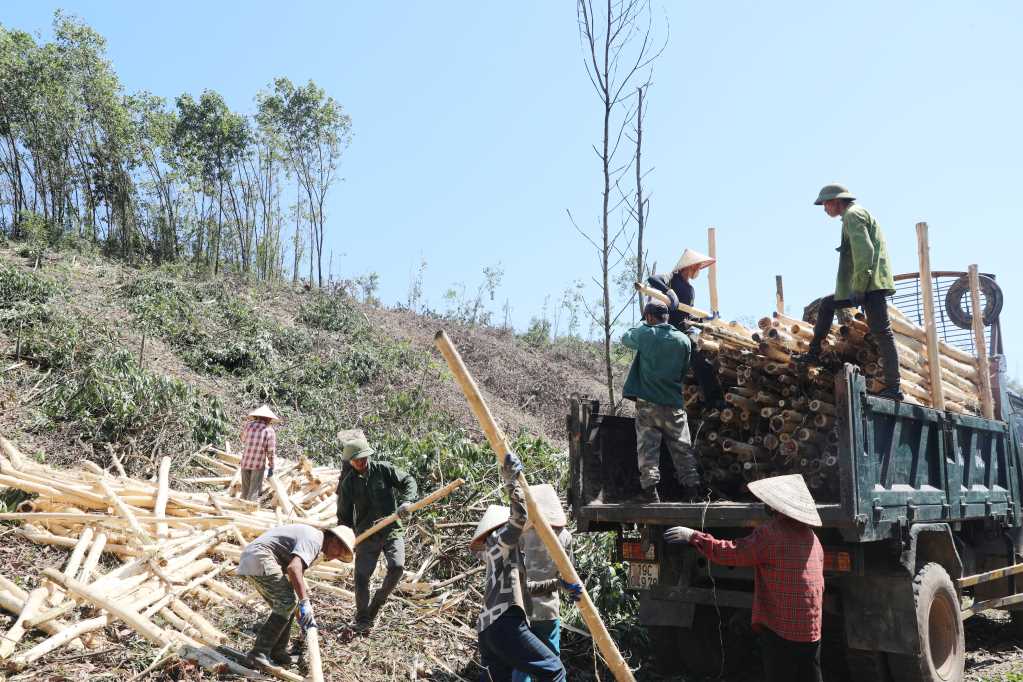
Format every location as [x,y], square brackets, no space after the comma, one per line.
[778,418]
[175,547]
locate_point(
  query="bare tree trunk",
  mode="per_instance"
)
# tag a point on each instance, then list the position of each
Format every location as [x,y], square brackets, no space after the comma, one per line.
[640,211]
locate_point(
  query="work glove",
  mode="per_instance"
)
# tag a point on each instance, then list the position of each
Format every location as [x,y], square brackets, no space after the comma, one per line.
[403,510]
[857,298]
[305,615]
[574,590]
[512,467]
[269,472]
[679,535]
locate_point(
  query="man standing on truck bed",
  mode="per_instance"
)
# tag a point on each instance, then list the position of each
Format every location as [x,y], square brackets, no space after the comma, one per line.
[679,283]
[864,280]
[655,383]
[368,493]
[788,588]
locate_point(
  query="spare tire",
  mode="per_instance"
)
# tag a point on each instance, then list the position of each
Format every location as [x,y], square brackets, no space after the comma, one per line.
[960,289]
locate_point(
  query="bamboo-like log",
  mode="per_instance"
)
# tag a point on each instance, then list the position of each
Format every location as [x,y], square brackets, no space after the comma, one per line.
[124,511]
[283,501]
[59,639]
[435,496]
[601,637]
[983,369]
[14,634]
[162,490]
[822,407]
[312,645]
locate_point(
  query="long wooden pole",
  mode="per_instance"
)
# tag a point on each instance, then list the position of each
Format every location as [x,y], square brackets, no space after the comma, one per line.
[162,490]
[499,444]
[927,291]
[312,645]
[712,271]
[438,494]
[779,295]
[663,298]
[987,402]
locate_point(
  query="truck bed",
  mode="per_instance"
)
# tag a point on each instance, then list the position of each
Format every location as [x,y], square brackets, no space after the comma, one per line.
[694,515]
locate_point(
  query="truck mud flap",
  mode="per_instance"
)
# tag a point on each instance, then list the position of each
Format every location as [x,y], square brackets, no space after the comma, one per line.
[666,611]
[880,614]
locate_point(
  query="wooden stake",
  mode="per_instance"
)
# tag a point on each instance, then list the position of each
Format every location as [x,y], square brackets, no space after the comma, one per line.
[779,295]
[312,645]
[606,646]
[663,298]
[162,490]
[438,494]
[712,271]
[987,403]
[927,291]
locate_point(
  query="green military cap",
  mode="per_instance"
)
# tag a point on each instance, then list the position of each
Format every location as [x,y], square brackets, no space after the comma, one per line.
[829,192]
[355,444]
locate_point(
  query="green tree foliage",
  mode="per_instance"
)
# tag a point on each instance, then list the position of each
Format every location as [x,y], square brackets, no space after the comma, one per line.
[149,181]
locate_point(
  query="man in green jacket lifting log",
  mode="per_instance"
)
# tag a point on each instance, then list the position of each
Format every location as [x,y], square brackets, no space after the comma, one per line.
[864,280]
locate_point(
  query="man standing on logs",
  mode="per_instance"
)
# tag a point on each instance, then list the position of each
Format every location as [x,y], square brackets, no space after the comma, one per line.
[505,640]
[260,442]
[655,383]
[275,564]
[371,491]
[544,607]
[864,280]
[788,588]
[678,286]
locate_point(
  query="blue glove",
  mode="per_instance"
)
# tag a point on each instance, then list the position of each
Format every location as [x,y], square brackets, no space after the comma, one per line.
[403,510]
[512,465]
[305,615]
[269,472]
[574,590]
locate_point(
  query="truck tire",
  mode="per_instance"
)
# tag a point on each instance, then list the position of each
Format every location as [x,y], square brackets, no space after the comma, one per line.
[942,655]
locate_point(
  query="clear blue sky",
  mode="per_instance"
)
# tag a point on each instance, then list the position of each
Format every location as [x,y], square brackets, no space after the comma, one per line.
[474,121]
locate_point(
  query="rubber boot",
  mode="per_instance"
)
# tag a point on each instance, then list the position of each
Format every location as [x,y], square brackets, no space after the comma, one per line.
[279,653]
[266,639]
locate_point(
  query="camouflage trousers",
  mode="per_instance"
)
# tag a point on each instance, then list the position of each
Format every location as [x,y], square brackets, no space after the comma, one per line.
[276,590]
[654,422]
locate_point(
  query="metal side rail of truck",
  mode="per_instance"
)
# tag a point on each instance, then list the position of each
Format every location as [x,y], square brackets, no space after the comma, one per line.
[925,533]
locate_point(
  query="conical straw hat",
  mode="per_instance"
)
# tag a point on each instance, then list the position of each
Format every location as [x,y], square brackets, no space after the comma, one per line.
[788,495]
[546,498]
[347,536]
[494,517]
[690,258]
[265,411]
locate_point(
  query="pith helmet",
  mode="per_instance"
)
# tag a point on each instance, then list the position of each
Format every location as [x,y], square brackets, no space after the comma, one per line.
[829,192]
[347,537]
[691,257]
[547,500]
[265,412]
[788,495]
[494,517]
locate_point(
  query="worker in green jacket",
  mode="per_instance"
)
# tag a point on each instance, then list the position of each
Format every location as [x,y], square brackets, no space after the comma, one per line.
[370,491]
[864,280]
[655,383]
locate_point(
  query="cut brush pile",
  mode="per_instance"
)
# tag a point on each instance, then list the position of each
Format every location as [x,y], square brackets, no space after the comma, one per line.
[175,552]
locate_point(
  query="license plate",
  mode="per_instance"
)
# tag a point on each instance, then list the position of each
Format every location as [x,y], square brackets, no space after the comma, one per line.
[643,575]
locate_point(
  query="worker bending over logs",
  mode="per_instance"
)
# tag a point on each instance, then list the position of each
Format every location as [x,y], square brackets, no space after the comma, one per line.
[655,383]
[505,640]
[275,564]
[370,491]
[788,564]
[544,605]
[259,440]
[864,280]
[678,286]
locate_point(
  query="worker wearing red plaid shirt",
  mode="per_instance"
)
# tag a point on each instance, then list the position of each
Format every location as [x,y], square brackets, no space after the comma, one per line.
[260,442]
[788,589]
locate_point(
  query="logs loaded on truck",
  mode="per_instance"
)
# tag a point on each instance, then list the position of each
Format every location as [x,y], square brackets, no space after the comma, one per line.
[920,498]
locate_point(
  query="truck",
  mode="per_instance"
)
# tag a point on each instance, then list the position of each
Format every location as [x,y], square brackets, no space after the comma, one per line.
[926,530]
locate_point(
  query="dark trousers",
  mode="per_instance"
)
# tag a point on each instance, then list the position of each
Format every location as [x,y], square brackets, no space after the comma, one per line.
[705,372]
[875,305]
[786,661]
[366,555]
[508,645]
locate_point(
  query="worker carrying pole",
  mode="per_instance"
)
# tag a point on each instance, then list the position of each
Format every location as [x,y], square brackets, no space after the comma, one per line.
[788,563]
[864,281]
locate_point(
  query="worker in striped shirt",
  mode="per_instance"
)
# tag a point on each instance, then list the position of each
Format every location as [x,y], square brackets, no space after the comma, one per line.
[259,441]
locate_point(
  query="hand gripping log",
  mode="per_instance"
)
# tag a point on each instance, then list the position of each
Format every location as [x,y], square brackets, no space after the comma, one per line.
[438,494]
[663,298]
[606,646]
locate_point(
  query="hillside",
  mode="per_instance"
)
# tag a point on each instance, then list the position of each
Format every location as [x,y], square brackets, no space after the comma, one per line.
[143,363]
